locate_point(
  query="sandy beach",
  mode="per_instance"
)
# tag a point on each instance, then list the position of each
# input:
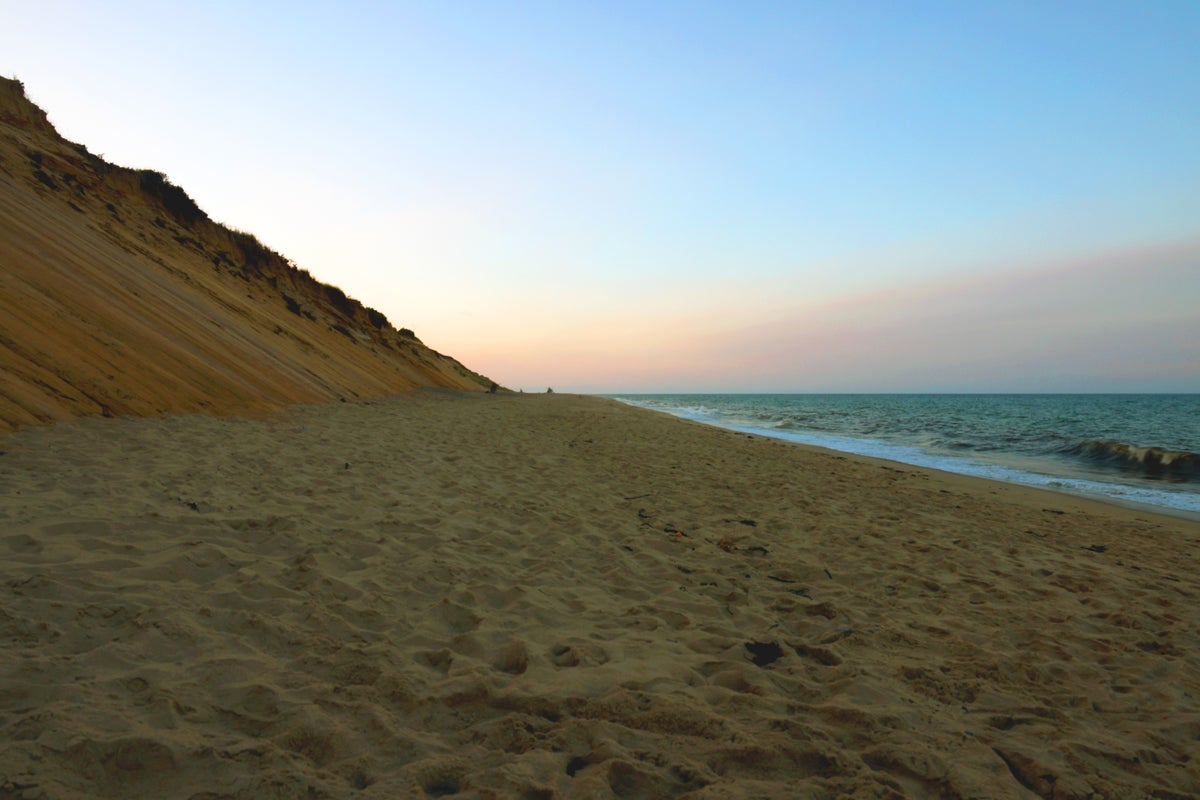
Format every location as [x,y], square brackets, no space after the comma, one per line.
[477,596]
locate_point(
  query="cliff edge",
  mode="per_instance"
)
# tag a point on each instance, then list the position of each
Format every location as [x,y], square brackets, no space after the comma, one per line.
[118,295]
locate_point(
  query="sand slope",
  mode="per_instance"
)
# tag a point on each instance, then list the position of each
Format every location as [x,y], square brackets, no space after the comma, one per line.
[119,296]
[515,596]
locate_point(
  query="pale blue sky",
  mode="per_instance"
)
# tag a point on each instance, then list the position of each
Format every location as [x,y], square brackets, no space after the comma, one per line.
[687,196]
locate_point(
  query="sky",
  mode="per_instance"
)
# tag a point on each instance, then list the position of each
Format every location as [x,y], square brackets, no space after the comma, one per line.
[686,196]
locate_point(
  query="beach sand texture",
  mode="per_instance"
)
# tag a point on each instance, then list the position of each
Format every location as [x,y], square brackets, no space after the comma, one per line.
[552,596]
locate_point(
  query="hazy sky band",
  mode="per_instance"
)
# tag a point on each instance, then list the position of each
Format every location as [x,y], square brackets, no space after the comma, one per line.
[686,196]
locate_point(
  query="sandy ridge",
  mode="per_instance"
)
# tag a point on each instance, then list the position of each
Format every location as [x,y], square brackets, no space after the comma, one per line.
[119,296]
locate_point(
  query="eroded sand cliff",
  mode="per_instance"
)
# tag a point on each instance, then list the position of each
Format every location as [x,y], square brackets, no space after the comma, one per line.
[118,295]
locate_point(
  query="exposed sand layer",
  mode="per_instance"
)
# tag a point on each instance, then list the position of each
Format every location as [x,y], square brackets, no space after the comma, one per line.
[119,296]
[543,596]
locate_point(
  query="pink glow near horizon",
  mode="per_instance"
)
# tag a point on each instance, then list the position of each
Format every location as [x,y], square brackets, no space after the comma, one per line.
[1087,321]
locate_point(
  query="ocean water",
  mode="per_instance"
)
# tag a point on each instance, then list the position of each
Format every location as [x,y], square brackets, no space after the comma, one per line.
[1129,448]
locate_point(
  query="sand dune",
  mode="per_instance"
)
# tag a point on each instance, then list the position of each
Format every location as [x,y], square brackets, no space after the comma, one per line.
[548,596]
[119,296]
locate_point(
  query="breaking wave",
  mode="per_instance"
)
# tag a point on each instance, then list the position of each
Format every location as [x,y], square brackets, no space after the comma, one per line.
[1073,443]
[1150,462]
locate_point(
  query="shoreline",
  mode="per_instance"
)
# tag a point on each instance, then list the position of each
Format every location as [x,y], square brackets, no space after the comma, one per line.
[1049,494]
[1053,483]
[566,596]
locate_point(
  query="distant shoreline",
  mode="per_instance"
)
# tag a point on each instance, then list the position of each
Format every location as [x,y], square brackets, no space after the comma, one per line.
[912,457]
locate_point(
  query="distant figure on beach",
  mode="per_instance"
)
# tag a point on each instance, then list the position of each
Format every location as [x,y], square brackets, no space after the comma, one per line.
[493,389]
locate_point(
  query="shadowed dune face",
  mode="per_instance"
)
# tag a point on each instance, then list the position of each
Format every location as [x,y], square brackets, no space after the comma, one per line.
[119,296]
